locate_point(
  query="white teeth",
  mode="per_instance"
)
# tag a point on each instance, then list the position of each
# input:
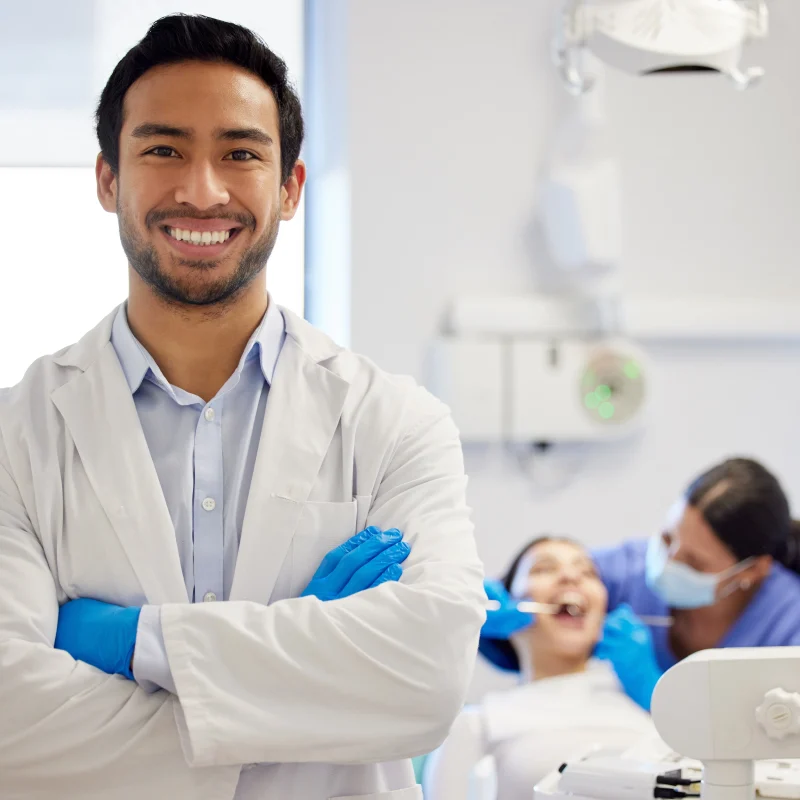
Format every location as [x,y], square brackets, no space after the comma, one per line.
[198,237]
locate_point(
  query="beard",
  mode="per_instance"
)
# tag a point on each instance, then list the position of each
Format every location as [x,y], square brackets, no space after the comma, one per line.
[196,289]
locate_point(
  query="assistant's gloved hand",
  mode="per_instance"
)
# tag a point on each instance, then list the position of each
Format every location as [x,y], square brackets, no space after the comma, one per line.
[368,559]
[100,634]
[628,645]
[501,623]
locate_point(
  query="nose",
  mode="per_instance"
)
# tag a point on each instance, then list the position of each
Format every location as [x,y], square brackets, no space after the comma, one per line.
[201,187]
[569,575]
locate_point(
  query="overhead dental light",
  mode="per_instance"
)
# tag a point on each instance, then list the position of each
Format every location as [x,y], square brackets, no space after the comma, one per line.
[645,37]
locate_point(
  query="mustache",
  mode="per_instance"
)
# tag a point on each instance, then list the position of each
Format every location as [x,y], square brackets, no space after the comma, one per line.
[156,217]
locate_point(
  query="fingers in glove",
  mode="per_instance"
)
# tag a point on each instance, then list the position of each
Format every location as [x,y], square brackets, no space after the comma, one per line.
[391,573]
[496,591]
[362,554]
[366,575]
[335,556]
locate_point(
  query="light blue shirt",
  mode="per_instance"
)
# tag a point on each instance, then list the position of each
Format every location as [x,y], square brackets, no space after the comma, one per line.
[204,454]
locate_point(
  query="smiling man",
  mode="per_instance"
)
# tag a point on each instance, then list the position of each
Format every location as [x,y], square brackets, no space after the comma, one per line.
[205,503]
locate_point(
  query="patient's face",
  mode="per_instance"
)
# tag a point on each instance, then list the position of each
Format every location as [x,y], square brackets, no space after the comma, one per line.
[562,573]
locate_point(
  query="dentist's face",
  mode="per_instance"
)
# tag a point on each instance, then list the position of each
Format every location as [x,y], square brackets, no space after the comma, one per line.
[562,573]
[198,192]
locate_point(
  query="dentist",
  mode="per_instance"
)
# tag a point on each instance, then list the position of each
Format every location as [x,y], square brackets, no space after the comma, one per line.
[201,592]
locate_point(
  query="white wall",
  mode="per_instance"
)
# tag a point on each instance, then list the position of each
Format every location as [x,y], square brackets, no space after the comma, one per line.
[451,105]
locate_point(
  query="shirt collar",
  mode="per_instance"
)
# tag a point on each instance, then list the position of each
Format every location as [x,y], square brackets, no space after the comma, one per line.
[265,343]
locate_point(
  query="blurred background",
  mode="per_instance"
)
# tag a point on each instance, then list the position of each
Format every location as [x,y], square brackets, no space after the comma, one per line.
[432,128]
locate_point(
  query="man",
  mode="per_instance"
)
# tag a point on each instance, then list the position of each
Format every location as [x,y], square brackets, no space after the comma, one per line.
[202,444]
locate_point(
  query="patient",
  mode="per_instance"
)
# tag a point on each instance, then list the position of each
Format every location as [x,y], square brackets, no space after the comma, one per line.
[566,701]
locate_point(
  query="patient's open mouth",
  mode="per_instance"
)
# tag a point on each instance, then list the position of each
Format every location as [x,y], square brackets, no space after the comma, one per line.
[572,607]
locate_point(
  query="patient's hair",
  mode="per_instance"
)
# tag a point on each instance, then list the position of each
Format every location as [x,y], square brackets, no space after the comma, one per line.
[746,507]
[183,37]
[506,654]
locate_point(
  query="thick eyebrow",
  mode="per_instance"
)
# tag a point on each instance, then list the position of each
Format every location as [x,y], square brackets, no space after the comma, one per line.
[244,135]
[148,130]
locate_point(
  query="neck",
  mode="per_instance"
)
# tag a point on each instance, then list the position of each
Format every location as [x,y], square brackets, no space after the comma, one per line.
[196,347]
[552,665]
[537,663]
[698,629]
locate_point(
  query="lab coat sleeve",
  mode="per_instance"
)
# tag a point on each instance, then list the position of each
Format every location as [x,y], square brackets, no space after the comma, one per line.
[66,729]
[377,676]
[448,770]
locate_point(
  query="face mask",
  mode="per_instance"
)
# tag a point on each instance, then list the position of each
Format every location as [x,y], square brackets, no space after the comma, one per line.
[680,586]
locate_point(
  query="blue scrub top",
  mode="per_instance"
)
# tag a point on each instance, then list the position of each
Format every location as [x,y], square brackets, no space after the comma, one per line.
[771,619]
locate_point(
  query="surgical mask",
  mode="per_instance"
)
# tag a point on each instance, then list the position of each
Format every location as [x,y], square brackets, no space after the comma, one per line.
[681,586]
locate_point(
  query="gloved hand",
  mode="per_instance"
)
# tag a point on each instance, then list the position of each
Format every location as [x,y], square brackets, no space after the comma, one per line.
[500,624]
[364,561]
[628,645]
[99,634]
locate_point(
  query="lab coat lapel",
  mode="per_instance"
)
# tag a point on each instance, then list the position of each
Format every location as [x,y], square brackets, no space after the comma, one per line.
[100,414]
[303,411]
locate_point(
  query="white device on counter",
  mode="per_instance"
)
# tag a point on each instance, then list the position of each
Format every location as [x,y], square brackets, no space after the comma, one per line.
[637,772]
[729,708]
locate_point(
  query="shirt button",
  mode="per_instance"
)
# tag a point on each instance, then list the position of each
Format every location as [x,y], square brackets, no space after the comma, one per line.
[209,597]
[209,414]
[209,504]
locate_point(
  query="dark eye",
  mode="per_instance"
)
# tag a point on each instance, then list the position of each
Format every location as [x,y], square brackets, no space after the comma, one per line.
[163,151]
[241,155]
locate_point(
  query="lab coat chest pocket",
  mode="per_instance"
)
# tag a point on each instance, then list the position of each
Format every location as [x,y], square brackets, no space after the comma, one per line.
[321,527]
[411,793]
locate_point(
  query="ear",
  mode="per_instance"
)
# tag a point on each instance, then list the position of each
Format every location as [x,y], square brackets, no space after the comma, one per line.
[292,190]
[756,572]
[106,185]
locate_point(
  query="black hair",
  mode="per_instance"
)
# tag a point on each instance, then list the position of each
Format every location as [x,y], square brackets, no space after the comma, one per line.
[501,651]
[185,37]
[746,507]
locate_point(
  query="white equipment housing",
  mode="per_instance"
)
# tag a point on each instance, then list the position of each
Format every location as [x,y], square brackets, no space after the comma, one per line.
[728,708]
[641,37]
[527,389]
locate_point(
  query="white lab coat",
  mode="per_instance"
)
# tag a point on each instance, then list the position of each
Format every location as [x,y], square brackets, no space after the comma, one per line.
[303,685]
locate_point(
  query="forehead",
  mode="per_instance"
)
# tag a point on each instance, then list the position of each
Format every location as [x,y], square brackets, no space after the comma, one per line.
[204,96]
[557,551]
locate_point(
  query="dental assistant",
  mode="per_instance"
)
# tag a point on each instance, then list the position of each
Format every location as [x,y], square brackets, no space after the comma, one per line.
[725,568]
[205,503]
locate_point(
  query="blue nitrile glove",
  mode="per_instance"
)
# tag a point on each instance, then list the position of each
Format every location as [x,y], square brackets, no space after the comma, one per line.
[628,645]
[364,561]
[506,620]
[100,634]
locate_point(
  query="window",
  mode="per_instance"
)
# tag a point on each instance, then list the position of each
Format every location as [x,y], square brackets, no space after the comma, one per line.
[63,266]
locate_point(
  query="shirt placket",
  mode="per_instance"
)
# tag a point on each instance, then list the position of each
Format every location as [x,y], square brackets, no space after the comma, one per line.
[208,505]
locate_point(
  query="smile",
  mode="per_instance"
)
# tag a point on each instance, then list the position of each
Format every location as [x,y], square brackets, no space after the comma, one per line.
[200,244]
[202,238]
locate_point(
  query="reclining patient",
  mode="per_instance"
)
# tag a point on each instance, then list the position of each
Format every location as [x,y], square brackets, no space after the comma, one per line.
[566,700]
